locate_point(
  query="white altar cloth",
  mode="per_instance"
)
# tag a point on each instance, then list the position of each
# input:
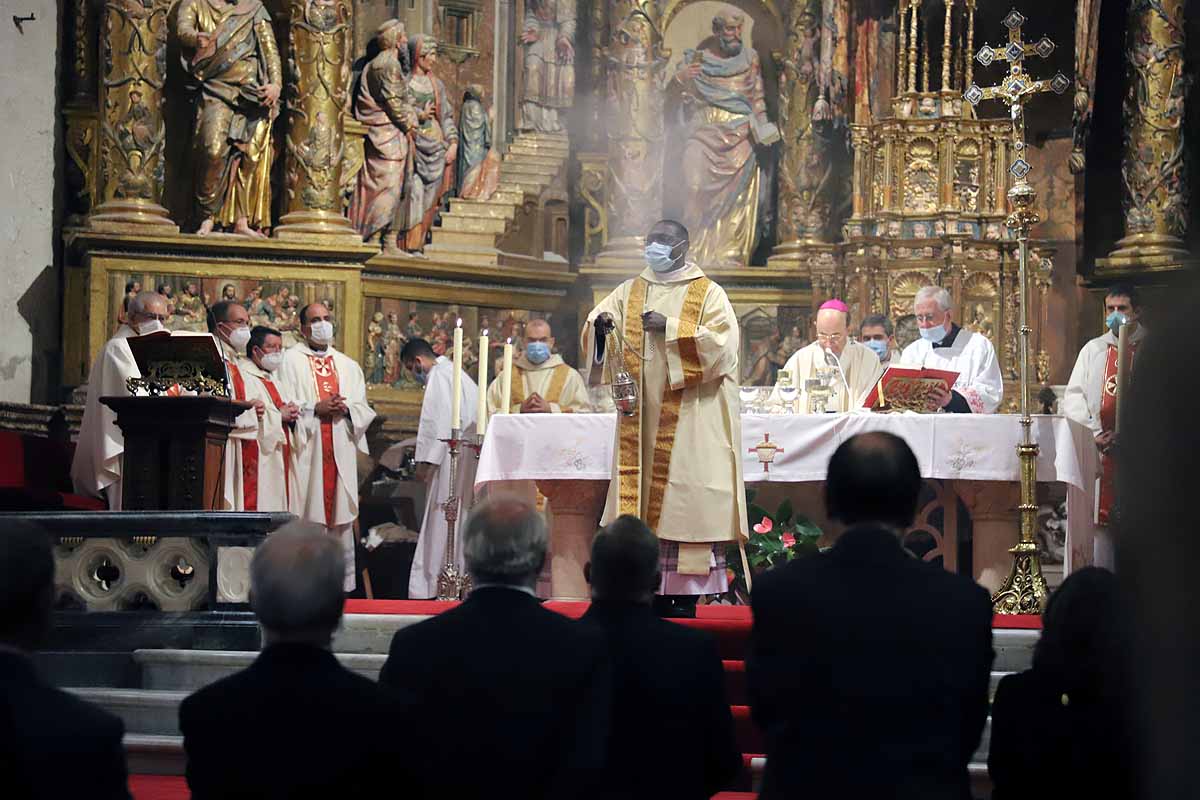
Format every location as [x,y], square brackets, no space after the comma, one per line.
[963,447]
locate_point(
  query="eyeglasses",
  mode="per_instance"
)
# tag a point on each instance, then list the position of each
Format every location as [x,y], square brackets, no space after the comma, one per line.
[147,316]
[830,337]
[929,317]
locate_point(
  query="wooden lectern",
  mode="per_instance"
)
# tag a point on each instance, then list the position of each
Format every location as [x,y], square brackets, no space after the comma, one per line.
[174,455]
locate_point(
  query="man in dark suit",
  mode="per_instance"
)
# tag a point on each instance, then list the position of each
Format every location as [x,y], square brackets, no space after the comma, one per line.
[515,696]
[868,668]
[671,724]
[52,744]
[296,723]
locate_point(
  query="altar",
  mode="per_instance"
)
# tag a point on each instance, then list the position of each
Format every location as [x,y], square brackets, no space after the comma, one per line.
[967,458]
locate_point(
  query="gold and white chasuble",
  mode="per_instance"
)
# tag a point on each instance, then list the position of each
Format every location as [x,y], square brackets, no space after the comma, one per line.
[678,461]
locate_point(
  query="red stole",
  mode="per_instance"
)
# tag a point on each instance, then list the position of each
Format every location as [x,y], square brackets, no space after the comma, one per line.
[1108,422]
[326,377]
[249,447]
[287,440]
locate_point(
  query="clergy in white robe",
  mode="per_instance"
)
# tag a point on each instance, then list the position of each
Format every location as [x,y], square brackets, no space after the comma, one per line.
[678,462]
[1091,399]
[96,465]
[436,374]
[541,381]
[855,367]
[946,346]
[229,322]
[268,479]
[331,429]
[877,333]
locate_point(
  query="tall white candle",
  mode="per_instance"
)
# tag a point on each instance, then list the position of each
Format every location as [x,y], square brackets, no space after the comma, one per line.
[481,409]
[506,382]
[456,402]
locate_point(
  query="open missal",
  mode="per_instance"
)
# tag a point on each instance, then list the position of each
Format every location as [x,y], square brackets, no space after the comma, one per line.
[906,388]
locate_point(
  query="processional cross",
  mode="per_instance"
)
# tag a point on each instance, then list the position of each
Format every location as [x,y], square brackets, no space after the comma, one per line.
[1024,591]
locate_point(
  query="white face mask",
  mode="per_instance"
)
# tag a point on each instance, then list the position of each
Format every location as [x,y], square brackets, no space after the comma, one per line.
[322,331]
[239,338]
[149,326]
[272,361]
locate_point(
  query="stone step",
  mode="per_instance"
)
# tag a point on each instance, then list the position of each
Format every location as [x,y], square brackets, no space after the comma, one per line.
[519,151]
[523,184]
[445,236]
[154,755]
[546,139]
[188,670]
[474,224]
[538,172]
[495,209]
[1014,649]
[540,158]
[144,711]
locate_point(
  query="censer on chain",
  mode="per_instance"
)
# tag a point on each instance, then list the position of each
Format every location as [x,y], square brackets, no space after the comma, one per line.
[624,388]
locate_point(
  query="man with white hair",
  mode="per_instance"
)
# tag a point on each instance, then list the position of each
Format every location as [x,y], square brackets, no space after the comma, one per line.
[528,686]
[96,467]
[947,346]
[278,729]
[856,367]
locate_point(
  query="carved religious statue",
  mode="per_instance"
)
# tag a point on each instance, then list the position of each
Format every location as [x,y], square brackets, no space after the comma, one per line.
[434,143]
[719,90]
[549,40]
[478,170]
[229,50]
[382,103]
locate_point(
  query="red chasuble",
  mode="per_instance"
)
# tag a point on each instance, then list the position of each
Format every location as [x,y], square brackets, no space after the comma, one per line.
[325,374]
[1108,422]
[249,447]
[287,440]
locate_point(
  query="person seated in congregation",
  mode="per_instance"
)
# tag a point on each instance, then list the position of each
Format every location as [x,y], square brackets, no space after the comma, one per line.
[1076,692]
[296,723]
[515,696]
[946,345]
[868,669]
[668,683]
[52,744]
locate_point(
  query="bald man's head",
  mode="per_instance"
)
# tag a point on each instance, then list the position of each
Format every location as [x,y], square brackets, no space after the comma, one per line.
[833,329]
[296,584]
[873,478]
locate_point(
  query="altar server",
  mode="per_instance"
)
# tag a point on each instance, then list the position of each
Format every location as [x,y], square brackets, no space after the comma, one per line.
[436,374]
[690,495]
[947,346]
[541,382]
[331,429]
[229,322]
[268,478]
[1091,396]
[855,366]
[96,466]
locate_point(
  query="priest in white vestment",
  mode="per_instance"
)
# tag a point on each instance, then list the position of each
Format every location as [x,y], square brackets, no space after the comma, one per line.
[268,478]
[542,381]
[947,346]
[877,333]
[1091,399]
[229,322]
[96,465]
[678,461]
[856,368]
[436,374]
[331,429]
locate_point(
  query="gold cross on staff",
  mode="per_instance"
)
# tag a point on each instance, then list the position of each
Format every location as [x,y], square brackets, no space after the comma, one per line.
[1018,85]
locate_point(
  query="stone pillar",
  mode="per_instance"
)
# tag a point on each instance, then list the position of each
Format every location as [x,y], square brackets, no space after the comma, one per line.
[575,508]
[1154,169]
[634,102]
[318,84]
[504,79]
[132,132]
[995,525]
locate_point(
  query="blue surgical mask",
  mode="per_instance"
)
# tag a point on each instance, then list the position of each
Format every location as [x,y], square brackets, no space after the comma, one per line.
[1114,320]
[878,346]
[933,335]
[659,256]
[537,352]
[420,374]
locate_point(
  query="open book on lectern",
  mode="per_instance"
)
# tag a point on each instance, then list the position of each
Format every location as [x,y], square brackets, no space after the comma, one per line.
[174,362]
[908,388]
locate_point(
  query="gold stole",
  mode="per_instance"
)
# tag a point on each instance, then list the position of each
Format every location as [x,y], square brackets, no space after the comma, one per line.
[629,434]
[553,392]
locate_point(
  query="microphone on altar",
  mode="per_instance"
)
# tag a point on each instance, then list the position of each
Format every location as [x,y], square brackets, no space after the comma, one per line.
[831,357]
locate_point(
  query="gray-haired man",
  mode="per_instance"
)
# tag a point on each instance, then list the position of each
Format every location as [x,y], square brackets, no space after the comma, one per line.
[521,691]
[281,727]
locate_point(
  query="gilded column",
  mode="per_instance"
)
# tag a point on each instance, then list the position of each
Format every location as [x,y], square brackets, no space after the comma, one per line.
[80,114]
[320,39]
[912,47]
[132,133]
[634,62]
[947,42]
[1154,165]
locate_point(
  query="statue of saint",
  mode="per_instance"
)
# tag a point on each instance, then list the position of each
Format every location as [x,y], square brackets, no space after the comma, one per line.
[383,104]
[719,88]
[229,49]
[434,144]
[549,40]
[478,169]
